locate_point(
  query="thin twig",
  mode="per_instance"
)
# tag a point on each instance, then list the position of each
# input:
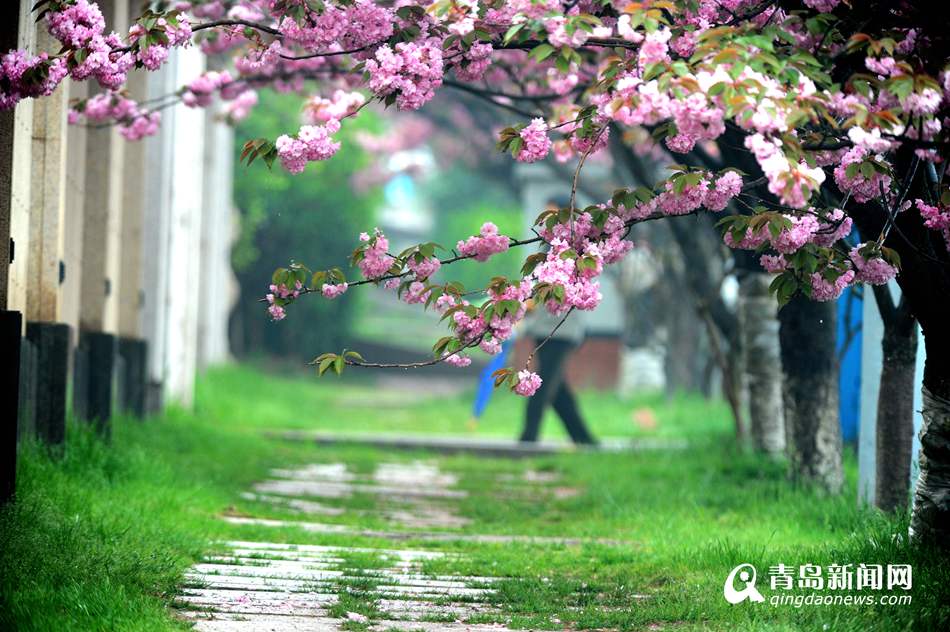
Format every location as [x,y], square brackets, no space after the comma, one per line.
[548,337]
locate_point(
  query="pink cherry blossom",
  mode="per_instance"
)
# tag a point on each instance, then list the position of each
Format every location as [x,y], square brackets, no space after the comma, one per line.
[832,227]
[425,268]
[824,6]
[313,143]
[416,293]
[875,270]
[376,262]
[824,290]
[276,312]
[411,71]
[935,218]
[76,24]
[861,188]
[333,290]
[340,105]
[773,263]
[457,360]
[528,383]
[726,187]
[240,107]
[802,231]
[487,243]
[536,144]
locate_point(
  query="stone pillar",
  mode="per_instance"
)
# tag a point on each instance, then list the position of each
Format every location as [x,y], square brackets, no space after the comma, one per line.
[49,338]
[11,324]
[157,188]
[217,232]
[101,248]
[184,243]
[133,353]
[71,293]
[10,327]
[131,345]
[26,415]
[98,354]
[9,38]
[20,165]
[174,196]
[50,342]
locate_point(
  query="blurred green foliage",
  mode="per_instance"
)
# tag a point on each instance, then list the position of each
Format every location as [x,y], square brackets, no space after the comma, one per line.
[463,202]
[313,218]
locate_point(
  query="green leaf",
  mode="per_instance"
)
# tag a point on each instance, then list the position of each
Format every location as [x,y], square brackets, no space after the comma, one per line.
[325,364]
[353,355]
[513,31]
[541,52]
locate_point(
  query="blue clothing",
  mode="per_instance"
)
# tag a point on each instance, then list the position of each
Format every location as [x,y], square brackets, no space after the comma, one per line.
[486,383]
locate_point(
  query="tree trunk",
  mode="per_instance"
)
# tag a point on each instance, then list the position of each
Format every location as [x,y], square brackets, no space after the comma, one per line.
[810,393]
[759,327]
[895,405]
[930,520]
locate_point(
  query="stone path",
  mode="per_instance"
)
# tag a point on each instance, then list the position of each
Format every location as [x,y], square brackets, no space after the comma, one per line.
[277,587]
[448,444]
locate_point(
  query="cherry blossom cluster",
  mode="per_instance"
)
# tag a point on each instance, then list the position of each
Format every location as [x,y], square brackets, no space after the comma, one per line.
[809,247]
[486,243]
[133,121]
[471,64]
[410,72]
[312,143]
[23,76]
[76,24]
[535,142]
[200,92]
[279,296]
[489,326]
[88,51]
[333,290]
[862,184]
[372,257]
[336,28]
[339,106]
[936,218]
[528,383]
[791,182]
[424,267]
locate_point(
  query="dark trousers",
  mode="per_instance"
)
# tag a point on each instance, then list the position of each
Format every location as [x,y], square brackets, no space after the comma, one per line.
[554,391]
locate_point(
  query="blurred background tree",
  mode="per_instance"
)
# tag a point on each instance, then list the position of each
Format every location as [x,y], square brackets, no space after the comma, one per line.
[314,218]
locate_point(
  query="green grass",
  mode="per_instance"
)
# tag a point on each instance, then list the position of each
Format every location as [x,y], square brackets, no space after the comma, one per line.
[296,401]
[99,538]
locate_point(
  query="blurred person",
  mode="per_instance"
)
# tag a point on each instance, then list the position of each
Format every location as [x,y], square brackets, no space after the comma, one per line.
[486,383]
[551,357]
[554,390]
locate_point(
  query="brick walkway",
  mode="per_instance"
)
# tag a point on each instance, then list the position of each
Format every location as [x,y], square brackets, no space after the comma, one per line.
[276,587]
